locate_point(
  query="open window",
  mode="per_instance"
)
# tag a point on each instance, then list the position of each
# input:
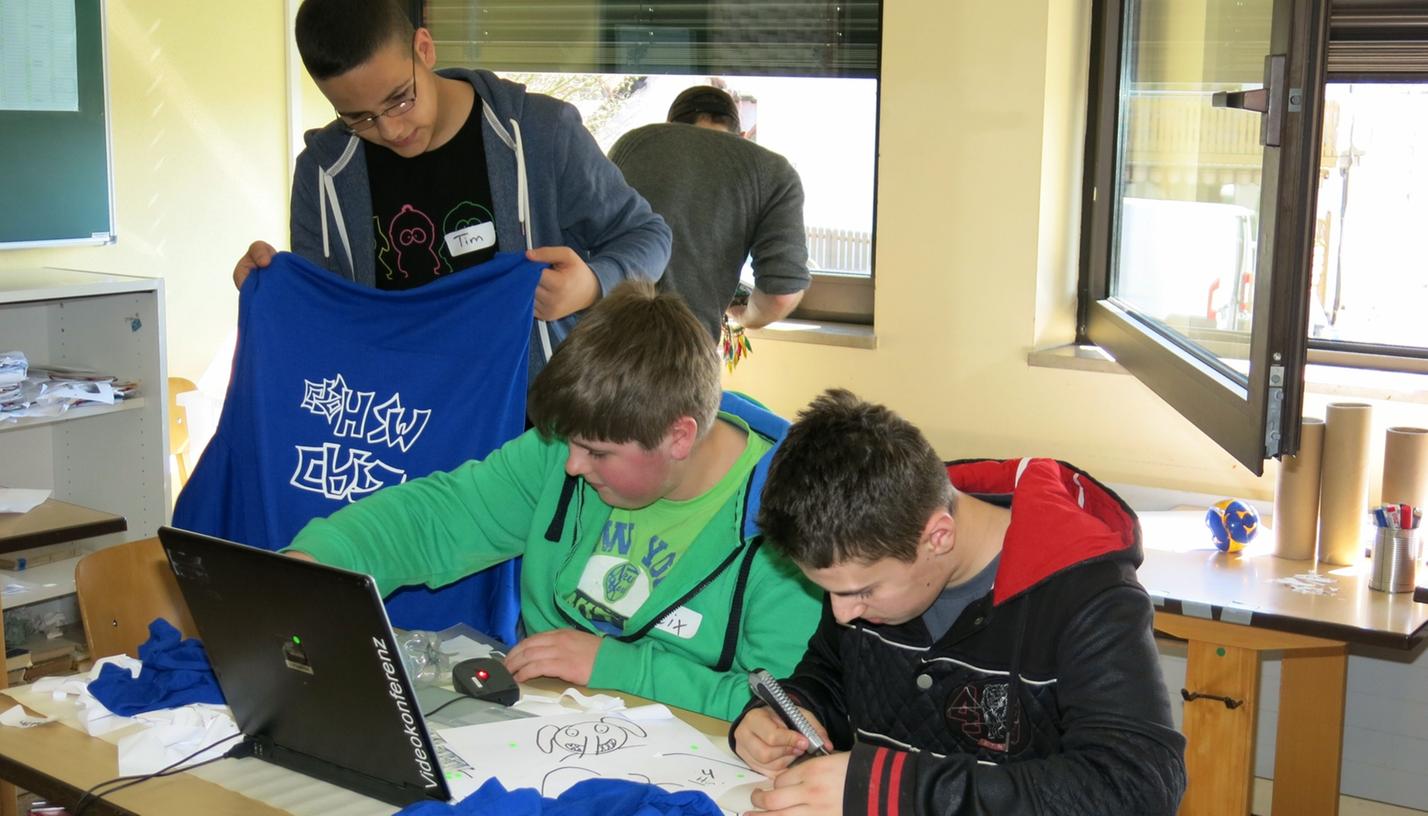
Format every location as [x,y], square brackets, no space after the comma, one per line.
[1202,166]
[1369,292]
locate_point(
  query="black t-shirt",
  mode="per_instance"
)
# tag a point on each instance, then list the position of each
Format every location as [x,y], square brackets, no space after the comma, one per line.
[431,213]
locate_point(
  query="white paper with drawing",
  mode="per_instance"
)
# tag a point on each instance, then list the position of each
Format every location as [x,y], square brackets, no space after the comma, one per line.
[550,754]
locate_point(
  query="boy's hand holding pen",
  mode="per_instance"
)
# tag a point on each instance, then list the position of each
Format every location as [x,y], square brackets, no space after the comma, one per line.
[772,738]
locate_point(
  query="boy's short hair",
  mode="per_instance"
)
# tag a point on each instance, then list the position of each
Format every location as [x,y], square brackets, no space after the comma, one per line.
[335,36]
[708,101]
[636,362]
[852,481]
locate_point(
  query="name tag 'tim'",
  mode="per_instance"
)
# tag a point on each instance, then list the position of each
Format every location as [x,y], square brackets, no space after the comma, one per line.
[470,239]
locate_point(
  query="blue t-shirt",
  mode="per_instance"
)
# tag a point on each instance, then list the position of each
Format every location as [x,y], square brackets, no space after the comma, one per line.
[339,390]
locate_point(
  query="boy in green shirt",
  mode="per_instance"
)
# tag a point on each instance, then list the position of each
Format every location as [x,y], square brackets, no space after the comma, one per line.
[633,502]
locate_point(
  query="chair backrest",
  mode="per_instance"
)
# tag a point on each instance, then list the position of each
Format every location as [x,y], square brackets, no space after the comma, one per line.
[121,589]
[178,430]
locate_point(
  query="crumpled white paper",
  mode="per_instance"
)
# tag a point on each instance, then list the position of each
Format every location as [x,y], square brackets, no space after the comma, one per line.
[544,705]
[20,499]
[93,717]
[174,733]
[15,717]
[166,736]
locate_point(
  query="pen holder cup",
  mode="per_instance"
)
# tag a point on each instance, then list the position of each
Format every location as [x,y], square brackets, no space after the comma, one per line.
[1393,559]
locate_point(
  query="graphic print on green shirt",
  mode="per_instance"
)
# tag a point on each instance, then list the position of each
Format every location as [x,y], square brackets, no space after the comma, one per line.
[636,550]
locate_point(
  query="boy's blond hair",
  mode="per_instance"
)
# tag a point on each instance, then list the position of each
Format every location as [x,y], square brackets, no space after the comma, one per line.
[637,361]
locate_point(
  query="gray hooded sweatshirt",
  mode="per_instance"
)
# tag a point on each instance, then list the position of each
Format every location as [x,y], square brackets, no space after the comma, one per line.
[550,186]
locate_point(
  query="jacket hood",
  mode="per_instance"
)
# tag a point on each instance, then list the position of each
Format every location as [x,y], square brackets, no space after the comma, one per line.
[1060,517]
[763,421]
[505,98]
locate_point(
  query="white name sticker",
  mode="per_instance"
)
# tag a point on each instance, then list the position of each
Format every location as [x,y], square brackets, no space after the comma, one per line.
[682,623]
[470,239]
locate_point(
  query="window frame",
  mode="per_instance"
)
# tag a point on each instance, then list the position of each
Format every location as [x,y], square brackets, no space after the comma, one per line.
[1257,416]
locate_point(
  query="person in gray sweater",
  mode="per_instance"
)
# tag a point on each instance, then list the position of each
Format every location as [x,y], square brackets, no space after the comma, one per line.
[725,198]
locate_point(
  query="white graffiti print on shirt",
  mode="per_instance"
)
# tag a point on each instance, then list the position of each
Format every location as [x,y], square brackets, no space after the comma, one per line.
[347,474]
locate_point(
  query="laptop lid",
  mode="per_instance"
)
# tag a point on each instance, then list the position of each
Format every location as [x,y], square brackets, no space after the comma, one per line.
[305,656]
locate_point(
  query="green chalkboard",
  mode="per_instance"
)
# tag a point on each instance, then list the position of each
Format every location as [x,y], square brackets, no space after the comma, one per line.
[55,182]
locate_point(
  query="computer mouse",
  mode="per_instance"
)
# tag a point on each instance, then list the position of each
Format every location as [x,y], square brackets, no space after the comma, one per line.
[485,678]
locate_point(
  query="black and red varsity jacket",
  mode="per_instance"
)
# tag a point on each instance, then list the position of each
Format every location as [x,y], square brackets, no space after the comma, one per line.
[1044,697]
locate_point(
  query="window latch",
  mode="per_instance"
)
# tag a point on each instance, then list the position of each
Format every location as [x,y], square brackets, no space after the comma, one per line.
[1268,100]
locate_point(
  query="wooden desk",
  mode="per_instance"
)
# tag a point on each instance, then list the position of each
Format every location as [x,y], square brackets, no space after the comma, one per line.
[1230,610]
[60,763]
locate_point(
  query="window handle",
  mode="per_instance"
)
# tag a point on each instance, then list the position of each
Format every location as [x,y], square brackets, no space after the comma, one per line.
[1267,100]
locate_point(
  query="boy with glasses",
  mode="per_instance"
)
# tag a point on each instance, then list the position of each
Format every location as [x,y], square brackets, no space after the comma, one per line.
[424,174]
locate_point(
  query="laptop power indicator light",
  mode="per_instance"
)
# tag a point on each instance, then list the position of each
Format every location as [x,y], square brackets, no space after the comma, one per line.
[295,657]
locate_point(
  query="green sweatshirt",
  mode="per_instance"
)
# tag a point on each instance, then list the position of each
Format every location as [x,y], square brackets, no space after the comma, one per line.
[440,528]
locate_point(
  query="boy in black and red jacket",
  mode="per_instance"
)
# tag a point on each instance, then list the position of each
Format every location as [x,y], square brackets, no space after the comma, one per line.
[984,646]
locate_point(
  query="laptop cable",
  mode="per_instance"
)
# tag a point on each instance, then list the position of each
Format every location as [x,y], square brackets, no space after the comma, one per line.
[428,714]
[242,749]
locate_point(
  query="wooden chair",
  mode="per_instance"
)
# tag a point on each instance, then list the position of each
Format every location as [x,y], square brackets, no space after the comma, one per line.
[121,589]
[178,431]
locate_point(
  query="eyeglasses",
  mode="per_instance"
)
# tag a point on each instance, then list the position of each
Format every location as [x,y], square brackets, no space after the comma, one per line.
[391,112]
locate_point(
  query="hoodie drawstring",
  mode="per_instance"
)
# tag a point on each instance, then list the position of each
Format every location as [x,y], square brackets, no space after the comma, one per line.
[329,191]
[322,212]
[523,215]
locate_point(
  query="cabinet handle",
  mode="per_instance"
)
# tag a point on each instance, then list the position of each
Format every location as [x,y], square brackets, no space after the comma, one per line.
[1230,702]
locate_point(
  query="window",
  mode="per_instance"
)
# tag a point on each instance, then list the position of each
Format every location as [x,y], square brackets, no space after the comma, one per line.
[805,74]
[1202,163]
[1369,290]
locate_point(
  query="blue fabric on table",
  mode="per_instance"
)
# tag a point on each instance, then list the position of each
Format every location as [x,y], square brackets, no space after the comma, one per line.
[593,797]
[176,672]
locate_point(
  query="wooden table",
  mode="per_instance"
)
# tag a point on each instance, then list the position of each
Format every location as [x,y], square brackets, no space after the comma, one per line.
[60,763]
[1231,609]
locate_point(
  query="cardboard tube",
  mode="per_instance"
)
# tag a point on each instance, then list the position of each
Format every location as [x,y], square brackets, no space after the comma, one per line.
[1343,487]
[1405,466]
[1296,495]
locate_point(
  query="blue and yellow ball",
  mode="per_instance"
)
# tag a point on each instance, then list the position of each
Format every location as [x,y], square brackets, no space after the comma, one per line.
[1233,524]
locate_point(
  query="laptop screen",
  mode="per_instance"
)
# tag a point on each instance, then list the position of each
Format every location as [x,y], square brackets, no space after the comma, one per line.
[307,661]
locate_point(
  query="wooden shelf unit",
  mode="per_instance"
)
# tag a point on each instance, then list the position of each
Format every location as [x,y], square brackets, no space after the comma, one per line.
[55,522]
[106,466]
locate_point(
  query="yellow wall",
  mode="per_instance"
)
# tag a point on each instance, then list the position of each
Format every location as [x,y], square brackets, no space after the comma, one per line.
[978,184]
[200,158]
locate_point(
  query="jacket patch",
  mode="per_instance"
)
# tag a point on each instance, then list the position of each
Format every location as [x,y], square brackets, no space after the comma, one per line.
[981,713]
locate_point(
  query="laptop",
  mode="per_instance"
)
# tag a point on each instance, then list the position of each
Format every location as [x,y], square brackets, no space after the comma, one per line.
[306,659]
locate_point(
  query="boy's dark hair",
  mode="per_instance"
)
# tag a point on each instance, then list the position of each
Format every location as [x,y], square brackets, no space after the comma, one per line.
[637,361]
[335,36]
[714,104]
[852,481]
